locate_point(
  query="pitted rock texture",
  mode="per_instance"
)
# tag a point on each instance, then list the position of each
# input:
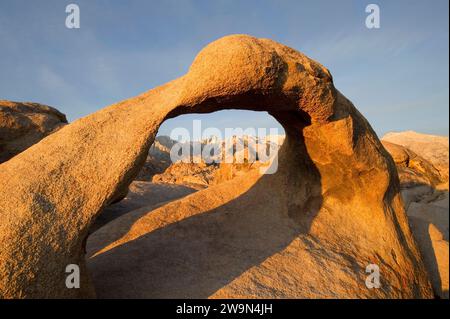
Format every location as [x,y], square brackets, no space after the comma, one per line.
[332,207]
[24,124]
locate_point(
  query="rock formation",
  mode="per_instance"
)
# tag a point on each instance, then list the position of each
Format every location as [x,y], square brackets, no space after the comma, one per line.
[425,194]
[24,124]
[196,173]
[413,169]
[434,149]
[158,158]
[424,184]
[332,208]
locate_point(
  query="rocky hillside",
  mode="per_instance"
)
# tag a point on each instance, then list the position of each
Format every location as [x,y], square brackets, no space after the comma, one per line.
[195,172]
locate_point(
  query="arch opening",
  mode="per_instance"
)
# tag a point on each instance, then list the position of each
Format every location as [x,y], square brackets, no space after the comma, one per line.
[212,249]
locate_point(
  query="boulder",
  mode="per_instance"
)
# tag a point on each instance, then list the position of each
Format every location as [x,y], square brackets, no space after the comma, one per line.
[23,124]
[332,207]
[413,169]
[432,148]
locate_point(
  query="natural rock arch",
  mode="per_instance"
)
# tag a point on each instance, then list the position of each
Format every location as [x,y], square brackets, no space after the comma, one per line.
[336,184]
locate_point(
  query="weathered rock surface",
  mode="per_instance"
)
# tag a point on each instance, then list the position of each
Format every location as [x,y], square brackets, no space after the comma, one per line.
[413,169]
[425,194]
[313,225]
[23,124]
[434,149]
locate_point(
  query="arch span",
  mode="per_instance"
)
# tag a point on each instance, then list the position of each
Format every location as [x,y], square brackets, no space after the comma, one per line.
[336,185]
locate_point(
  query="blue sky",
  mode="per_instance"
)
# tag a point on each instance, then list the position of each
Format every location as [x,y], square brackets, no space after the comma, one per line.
[397,76]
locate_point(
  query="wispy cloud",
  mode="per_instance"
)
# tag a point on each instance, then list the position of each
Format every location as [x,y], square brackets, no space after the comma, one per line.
[345,46]
[123,49]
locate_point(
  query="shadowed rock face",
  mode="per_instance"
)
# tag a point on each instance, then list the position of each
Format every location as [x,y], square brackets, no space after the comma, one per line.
[334,202]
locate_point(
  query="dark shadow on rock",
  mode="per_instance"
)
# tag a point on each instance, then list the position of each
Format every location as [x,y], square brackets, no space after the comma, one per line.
[198,255]
[420,219]
[421,232]
[141,194]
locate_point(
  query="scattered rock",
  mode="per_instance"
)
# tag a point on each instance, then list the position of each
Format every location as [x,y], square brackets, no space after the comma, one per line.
[202,175]
[197,175]
[195,172]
